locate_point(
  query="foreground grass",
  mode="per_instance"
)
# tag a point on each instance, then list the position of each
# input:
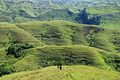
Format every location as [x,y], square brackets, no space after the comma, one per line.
[67,73]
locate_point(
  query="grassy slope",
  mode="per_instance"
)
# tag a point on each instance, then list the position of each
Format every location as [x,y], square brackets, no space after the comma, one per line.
[68,55]
[71,40]
[49,33]
[52,33]
[12,31]
[68,73]
[109,15]
[16,12]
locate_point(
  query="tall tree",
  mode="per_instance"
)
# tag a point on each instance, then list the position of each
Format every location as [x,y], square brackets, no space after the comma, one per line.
[82,17]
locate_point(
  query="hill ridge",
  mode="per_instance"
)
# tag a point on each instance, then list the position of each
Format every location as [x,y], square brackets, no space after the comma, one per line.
[68,72]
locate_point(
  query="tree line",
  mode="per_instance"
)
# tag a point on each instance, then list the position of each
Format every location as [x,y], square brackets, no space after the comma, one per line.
[83,17]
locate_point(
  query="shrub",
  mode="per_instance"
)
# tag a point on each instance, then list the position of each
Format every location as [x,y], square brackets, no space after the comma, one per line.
[113,60]
[6,69]
[18,49]
[83,17]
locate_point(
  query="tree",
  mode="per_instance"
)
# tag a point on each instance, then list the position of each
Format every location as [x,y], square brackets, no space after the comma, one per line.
[17,48]
[82,17]
[6,69]
[95,20]
[92,39]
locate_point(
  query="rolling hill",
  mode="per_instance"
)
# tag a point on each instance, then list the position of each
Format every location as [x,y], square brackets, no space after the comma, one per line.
[68,73]
[80,36]
[52,32]
[32,10]
[39,44]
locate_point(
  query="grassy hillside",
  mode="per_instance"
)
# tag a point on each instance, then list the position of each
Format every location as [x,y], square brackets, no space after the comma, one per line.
[68,55]
[68,73]
[11,31]
[24,11]
[52,33]
[109,15]
[31,49]
[56,14]
[38,44]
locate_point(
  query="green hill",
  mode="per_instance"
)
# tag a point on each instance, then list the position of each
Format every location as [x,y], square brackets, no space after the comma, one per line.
[56,14]
[52,33]
[36,36]
[109,15]
[29,10]
[11,31]
[38,44]
[68,73]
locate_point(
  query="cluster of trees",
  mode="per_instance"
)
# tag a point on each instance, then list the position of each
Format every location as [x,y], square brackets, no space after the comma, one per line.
[83,17]
[116,42]
[17,48]
[92,40]
[6,69]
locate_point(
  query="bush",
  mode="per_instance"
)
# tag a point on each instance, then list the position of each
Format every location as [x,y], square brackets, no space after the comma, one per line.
[113,60]
[18,49]
[83,17]
[6,69]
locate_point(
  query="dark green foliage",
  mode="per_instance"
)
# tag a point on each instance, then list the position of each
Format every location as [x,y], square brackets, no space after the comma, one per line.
[95,20]
[83,17]
[92,40]
[113,60]
[6,69]
[17,49]
[116,40]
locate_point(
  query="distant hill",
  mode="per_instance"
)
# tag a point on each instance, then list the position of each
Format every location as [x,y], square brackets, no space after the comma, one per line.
[31,10]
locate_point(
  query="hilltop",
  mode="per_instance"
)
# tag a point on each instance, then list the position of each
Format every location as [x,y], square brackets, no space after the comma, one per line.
[68,73]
